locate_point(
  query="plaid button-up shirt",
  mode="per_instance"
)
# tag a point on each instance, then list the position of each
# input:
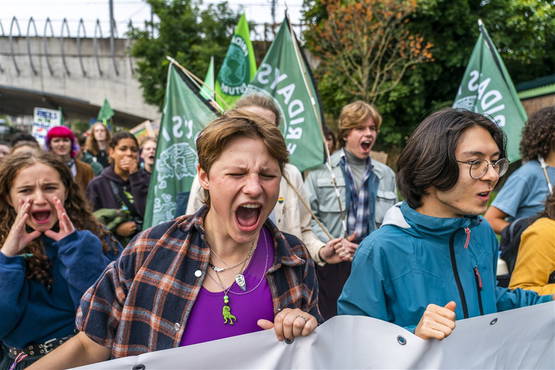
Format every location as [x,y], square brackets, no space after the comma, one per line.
[142,301]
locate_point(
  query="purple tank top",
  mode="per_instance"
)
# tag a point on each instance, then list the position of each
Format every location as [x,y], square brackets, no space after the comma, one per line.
[206,322]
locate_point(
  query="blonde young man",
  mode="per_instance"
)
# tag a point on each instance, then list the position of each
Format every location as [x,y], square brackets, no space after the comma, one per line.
[350,195]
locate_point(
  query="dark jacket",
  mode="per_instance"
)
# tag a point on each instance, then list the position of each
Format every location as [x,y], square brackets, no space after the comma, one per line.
[101,194]
[102,157]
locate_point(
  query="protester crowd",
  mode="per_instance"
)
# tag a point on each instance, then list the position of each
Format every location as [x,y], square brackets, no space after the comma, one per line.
[262,246]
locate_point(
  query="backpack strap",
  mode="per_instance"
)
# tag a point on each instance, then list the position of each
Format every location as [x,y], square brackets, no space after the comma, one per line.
[117,189]
[544,167]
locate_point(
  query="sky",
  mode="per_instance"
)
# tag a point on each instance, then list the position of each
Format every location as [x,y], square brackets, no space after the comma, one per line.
[138,11]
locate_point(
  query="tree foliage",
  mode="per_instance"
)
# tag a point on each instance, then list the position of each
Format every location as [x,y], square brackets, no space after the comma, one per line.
[366,46]
[522,30]
[185,32]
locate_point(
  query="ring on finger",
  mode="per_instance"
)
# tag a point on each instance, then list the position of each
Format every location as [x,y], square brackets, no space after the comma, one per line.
[302,317]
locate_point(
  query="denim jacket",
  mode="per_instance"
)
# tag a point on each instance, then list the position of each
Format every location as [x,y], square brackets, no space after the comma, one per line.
[323,200]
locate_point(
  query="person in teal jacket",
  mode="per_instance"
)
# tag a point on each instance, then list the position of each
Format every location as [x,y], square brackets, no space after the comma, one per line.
[434,259]
[51,251]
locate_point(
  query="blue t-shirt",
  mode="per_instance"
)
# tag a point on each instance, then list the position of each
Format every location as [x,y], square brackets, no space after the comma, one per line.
[525,191]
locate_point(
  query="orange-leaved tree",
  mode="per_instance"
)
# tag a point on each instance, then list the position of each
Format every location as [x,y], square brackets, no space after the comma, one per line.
[365,46]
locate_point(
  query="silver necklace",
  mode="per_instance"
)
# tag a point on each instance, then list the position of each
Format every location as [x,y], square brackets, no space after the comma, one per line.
[239,278]
[266,265]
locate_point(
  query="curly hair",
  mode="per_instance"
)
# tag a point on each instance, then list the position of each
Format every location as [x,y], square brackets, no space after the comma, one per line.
[77,208]
[538,135]
[91,145]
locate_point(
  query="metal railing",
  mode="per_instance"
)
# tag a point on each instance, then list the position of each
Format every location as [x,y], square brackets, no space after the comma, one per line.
[261,32]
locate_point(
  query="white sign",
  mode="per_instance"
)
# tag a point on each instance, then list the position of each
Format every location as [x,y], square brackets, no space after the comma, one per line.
[44,119]
[518,339]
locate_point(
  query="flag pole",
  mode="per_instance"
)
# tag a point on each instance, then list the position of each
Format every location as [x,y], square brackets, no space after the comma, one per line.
[307,207]
[321,130]
[196,81]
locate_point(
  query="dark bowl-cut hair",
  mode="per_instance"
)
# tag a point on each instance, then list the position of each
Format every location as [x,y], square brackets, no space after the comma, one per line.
[428,159]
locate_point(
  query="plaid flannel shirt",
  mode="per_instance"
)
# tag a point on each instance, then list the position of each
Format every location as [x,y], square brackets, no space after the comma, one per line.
[142,301]
[362,201]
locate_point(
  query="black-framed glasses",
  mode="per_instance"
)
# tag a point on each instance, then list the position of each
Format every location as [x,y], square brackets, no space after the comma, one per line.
[478,168]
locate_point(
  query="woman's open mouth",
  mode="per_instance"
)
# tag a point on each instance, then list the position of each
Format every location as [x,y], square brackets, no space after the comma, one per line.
[41,217]
[248,216]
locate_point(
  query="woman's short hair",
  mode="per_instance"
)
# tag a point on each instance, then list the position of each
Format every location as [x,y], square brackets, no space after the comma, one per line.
[428,158]
[538,135]
[215,137]
[262,101]
[355,114]
[236,123]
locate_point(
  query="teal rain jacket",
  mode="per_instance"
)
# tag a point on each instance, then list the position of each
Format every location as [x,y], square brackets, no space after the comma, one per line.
[414,260]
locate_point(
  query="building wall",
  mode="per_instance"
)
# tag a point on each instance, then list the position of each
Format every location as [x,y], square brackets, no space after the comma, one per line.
[79,68]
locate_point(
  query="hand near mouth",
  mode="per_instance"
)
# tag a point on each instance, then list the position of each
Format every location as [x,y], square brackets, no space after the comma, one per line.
[18,237]
[130,165]
[66,226]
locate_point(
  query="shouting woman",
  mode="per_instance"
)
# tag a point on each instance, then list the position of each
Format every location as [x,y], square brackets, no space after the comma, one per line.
[224,271]
[52,250]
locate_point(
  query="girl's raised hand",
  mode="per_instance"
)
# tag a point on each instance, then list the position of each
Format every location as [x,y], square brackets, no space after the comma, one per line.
[18,237]
[66,226]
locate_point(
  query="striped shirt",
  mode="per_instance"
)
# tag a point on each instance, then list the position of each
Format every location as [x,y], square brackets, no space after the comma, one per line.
[142,301]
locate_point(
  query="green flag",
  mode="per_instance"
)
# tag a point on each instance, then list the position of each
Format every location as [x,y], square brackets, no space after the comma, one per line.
[487,88]
[285,76]
[207,90]
[238,67]
[106,112]
[185,113]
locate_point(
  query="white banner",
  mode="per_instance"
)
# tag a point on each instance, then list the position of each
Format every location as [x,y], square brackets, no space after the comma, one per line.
[517,339]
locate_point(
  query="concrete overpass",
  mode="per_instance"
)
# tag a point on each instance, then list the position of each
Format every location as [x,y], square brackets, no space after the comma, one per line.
[74,72]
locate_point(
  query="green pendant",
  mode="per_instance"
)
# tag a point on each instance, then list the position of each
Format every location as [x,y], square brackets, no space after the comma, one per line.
[229,318]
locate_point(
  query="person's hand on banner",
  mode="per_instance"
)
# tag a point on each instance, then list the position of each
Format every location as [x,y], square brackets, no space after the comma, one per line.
[290,323]
[437,322]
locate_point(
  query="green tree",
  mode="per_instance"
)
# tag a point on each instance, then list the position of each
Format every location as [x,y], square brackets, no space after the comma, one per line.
[365,46]
[523,31]
[185,32]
